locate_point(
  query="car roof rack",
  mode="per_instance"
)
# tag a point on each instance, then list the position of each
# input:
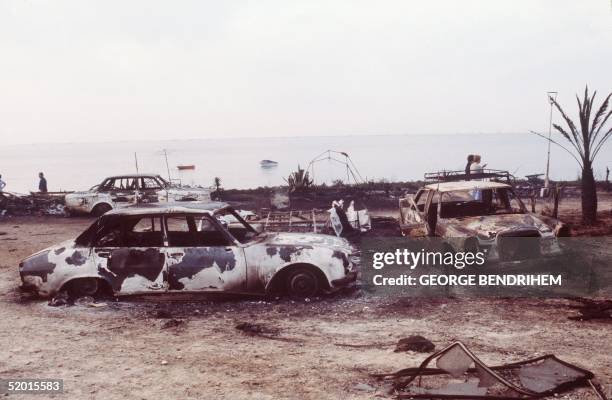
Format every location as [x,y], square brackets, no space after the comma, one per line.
[451,176]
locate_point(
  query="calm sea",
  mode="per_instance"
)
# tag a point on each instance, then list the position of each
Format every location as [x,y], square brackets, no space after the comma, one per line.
[78,166]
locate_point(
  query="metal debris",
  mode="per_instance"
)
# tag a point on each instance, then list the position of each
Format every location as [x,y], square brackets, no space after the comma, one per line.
[15,204]
[460,374]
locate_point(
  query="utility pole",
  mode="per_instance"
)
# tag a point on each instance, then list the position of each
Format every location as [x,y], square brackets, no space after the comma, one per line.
[552,97]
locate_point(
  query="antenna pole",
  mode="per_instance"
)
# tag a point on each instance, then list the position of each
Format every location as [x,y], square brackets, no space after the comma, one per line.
[552,96]
[167,166]
[136,161]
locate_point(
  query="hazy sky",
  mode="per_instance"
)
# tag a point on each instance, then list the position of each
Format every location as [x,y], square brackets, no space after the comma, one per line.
[106,70]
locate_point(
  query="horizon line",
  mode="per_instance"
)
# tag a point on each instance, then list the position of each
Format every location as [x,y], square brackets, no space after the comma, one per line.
[260,137]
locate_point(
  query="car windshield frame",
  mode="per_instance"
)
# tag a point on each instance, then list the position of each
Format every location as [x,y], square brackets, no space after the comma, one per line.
[486,210]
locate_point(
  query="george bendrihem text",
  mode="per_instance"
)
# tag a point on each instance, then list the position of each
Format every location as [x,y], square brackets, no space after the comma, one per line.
[469,280]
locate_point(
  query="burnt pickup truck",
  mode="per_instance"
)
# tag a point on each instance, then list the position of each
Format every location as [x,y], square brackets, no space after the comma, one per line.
[472,215]
[126,190]
[178,249]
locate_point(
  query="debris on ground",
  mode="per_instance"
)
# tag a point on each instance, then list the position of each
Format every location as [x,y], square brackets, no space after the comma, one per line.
[16,204]
[364,387]
[336,220]
[84,301]
[61,299]
[364,345]
[460,374]
[415,343]
[173,323]
[349,222]
[253,329]
[593,310]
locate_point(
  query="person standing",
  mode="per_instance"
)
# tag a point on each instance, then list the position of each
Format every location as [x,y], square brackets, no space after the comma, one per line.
[42,183]
[470,160]
[476,169]
[2,184]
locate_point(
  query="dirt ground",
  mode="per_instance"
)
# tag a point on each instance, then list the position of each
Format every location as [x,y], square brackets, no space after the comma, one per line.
[324,348]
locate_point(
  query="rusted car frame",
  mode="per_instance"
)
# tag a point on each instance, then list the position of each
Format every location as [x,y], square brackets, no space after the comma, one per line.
[476,214]
[126,190]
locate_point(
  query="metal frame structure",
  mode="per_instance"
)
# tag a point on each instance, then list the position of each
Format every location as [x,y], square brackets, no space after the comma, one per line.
[331,155]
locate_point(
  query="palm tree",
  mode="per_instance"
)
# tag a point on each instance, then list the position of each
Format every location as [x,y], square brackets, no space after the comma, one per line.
[299,180]
[586,141]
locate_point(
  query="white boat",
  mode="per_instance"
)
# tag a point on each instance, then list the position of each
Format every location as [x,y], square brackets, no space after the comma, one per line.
[268,163]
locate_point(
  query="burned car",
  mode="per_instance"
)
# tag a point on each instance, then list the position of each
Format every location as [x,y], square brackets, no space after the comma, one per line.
[161,250]
[124,190]
[485,215]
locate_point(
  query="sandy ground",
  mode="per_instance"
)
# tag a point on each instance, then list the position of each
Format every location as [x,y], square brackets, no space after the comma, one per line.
[123,351]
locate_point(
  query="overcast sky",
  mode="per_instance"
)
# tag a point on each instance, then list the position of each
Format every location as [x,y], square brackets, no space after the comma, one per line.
[115,70]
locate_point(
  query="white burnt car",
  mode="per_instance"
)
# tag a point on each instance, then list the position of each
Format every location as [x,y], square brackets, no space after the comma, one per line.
[125,190]
[160,250]
[485,215]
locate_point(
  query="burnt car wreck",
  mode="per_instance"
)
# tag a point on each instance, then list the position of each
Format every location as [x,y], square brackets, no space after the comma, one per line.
[177,249]
[480,215]
[126,190]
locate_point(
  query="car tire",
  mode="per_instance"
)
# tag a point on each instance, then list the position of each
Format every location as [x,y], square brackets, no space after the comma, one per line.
[302,282]
[82,287]
[101,209]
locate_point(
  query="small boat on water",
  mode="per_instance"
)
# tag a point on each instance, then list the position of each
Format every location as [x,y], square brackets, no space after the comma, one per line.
[268,163]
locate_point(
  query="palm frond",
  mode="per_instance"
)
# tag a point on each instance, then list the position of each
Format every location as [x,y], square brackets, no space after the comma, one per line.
[600,144]
[566,135]
[600,120]
[574,137]
[560,145]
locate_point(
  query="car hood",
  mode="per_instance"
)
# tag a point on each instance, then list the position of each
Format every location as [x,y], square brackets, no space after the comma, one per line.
[56,248]
[79,194]
[489,226]
[306,239]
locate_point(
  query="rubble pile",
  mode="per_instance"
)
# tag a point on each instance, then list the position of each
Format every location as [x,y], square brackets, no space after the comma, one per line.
[15,204]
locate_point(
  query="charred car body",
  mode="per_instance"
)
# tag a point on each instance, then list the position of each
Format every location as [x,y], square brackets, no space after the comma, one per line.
[124,190]
[149,250]
[480,215]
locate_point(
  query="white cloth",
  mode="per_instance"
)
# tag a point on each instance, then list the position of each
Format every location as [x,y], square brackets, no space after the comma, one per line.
[2,185]
[475,168]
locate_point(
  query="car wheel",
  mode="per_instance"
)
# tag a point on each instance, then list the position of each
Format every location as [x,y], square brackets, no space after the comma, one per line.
[82,287]
[302,282]
[101,209]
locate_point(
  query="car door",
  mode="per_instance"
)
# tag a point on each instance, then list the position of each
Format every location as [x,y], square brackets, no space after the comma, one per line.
[412,214]
[129,253]
[150,189]
[202,256]
[122,190]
